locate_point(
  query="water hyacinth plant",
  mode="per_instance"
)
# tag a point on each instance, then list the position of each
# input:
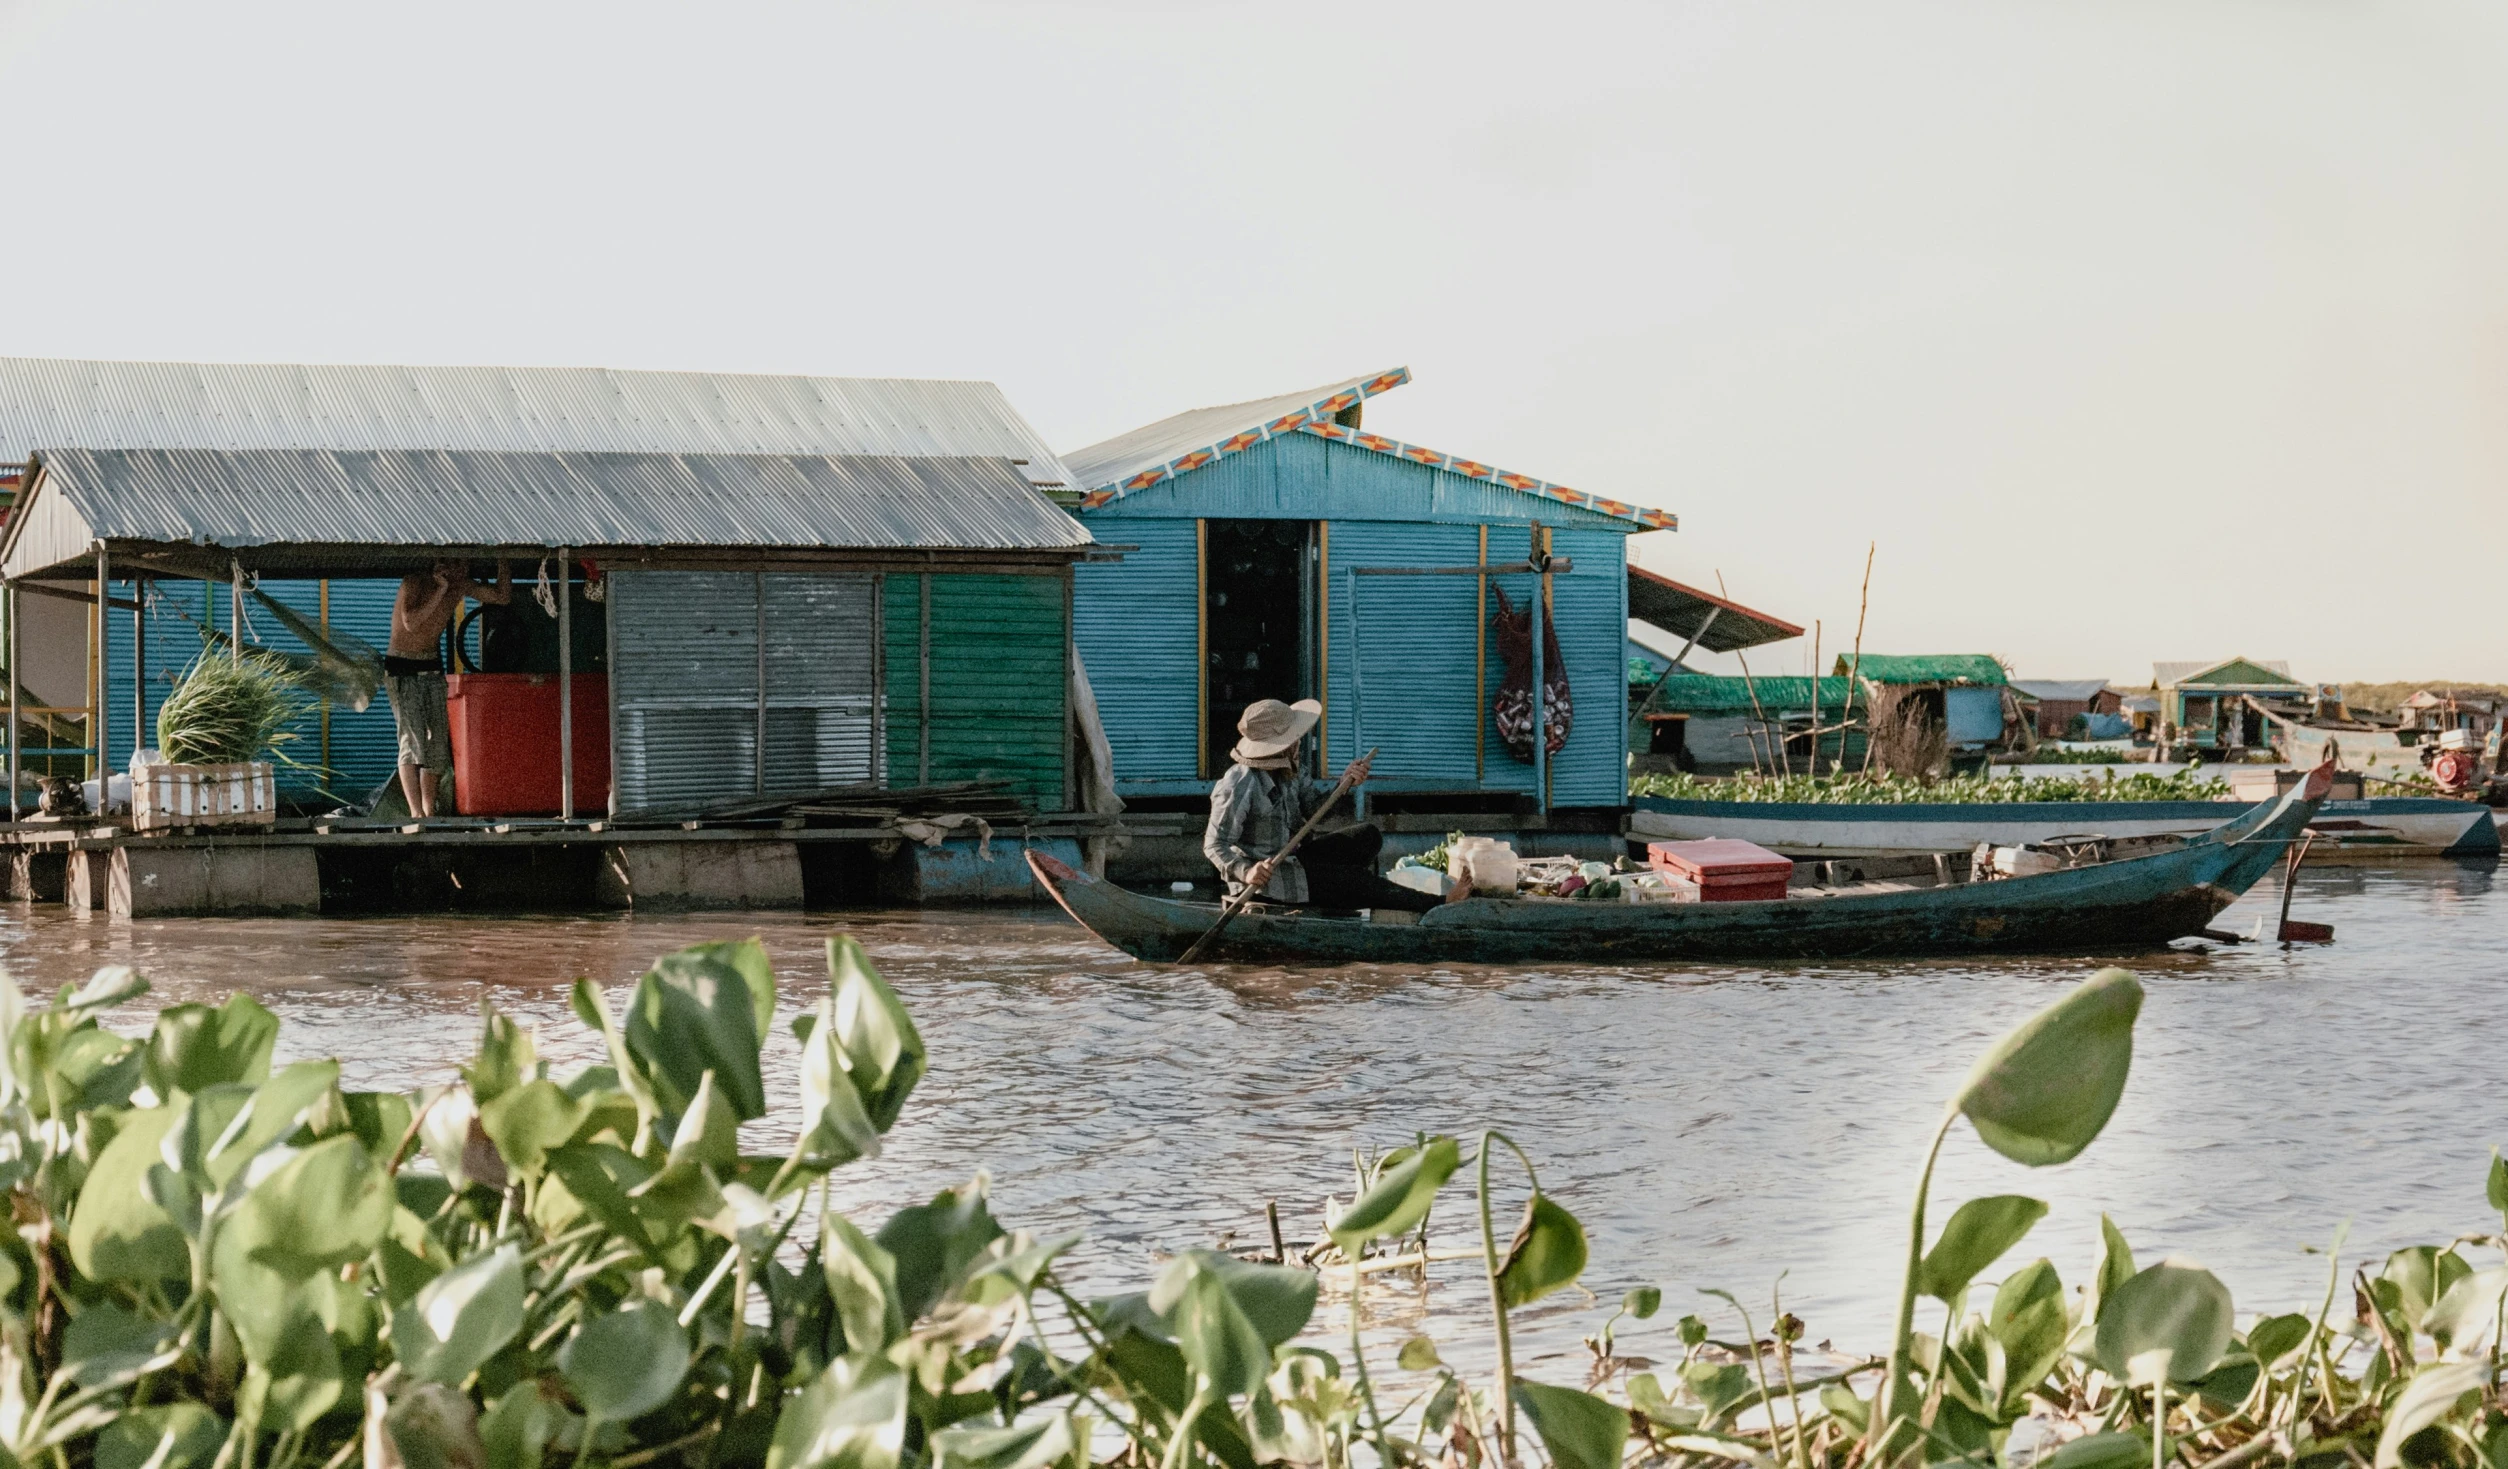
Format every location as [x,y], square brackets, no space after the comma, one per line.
[2188,784]
[229,710]
[224,1264]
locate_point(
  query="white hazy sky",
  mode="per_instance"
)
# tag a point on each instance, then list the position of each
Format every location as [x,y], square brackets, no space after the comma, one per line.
[2130,330]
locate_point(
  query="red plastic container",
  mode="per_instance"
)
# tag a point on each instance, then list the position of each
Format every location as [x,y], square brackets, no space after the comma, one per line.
[505,743]
[1726,869]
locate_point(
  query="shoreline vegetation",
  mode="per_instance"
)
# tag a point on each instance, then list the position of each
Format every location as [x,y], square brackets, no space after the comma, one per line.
[221,1265]
[2193,783]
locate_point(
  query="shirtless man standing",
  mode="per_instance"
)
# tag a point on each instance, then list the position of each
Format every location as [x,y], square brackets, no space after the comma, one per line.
[414,670]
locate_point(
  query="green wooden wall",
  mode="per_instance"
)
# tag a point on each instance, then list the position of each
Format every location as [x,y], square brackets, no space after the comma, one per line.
[999,684]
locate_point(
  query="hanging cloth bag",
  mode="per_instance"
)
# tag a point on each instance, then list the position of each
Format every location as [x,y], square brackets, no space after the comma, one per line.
[1512,705]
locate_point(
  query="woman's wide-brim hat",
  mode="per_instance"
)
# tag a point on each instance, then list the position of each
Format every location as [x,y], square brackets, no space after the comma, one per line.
[1269,729]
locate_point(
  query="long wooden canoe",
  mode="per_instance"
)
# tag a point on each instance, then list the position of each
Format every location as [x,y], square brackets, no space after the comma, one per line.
[2136,902]
[2382,828]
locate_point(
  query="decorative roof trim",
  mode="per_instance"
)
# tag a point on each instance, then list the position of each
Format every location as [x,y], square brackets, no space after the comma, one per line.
[1317,418]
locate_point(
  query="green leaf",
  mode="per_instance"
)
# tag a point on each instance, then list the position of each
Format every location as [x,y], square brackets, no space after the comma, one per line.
[2171,1321]
[851,1416]
[2029,1320]
[1400,1198]
[1418,1355]
[1029,1445]
[104,1340]
[624,1065]
[862,1281]
[274,1111]
[884,1054]
[1219,1342]
[839,1126]
[2100,1451]
[298,1382]
[2116,1258]
[1548,1253]
[2468,1311]
[133,1439]
[525,1122]
[432,1427]
[2045,1090]
[2429,1397]
[1979,1234]
[1643,1302]
[1717,1385]
[2496,1187]
[691,1014]
[517,1429]
[746,958]
[598,1178]
[109,986]
[324,1207]
[2421,1275]
[708,1132]
[1278,1299]
[935,1243]
[1581,1431]
[2276,1337]
[625,1363]
[508,1056]
[194,1046]
[117,1231]
[1693,1331]
[461,1318]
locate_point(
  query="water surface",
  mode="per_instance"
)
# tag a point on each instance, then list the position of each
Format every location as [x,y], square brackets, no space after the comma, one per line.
[1712,1126]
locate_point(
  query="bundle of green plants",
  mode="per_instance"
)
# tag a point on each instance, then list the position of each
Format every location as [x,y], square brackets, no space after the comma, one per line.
[2189,784]
[227,710]
[219,1264]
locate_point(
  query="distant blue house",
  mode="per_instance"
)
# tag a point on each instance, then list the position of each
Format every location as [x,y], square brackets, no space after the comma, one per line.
[1274,552]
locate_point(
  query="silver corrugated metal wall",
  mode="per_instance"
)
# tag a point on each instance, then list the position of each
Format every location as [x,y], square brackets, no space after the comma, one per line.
[686,664]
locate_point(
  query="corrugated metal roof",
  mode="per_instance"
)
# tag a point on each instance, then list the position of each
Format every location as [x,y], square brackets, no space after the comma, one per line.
[1918,668]
[1683,610]
[425,498]
[60,403]
[1120,458]
[2062,690]
[2169,675]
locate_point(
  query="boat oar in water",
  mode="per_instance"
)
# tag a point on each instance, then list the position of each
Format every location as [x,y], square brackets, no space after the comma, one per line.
[1238,903]
[2299,930]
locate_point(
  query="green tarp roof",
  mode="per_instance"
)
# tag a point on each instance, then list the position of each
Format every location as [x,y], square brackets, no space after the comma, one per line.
[1918,668]
[1715,693]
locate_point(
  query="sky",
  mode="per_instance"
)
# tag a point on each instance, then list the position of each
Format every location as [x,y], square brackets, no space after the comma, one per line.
[2116,332]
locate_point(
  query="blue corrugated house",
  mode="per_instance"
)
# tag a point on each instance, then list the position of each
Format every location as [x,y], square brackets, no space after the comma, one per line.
[1277,550]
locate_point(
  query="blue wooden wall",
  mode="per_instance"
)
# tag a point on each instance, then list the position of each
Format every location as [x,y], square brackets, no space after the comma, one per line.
[363,750]
[1401,656]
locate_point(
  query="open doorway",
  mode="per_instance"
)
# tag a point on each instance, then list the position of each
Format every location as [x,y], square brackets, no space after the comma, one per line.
[1256,623]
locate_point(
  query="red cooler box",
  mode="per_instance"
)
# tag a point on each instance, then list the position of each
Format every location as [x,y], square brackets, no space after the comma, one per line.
[505,743]
[1726,869]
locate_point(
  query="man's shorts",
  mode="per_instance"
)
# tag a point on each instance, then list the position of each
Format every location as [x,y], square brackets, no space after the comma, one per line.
[418,713]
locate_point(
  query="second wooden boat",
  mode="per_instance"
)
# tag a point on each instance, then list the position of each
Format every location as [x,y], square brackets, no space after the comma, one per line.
[2100,908]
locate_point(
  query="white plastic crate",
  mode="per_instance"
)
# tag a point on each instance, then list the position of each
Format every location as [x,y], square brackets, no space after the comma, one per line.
[245,794]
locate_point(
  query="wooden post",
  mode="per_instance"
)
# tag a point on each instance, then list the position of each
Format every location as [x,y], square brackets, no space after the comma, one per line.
[10,609]
[1814,757]
[761,610]
[1541,733]
[923,695]
[1752,686]
[1855,668]
[565,683]
[100,720]
[139,664]
[235,611]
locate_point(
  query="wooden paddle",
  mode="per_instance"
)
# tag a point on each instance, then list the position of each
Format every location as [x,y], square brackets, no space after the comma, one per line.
[1237,904]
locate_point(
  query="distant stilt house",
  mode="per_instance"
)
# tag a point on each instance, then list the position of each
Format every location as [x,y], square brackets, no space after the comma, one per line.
[2212,708]
[2073,708]
[2430,713]
[1721,724]
[1683,720]
[1275,549]
[1934,713]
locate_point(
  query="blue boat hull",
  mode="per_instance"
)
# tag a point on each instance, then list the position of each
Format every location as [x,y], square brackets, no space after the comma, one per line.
[2380,828]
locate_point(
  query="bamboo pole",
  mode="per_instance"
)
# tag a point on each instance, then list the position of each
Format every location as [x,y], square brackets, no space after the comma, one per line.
[1855,669]
[1814,759]
[1752,686]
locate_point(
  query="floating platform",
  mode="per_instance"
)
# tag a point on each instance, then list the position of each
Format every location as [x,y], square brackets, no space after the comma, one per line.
[305,868]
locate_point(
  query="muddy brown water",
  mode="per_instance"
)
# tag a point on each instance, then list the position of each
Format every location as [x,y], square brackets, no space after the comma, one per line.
[1711,1125]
